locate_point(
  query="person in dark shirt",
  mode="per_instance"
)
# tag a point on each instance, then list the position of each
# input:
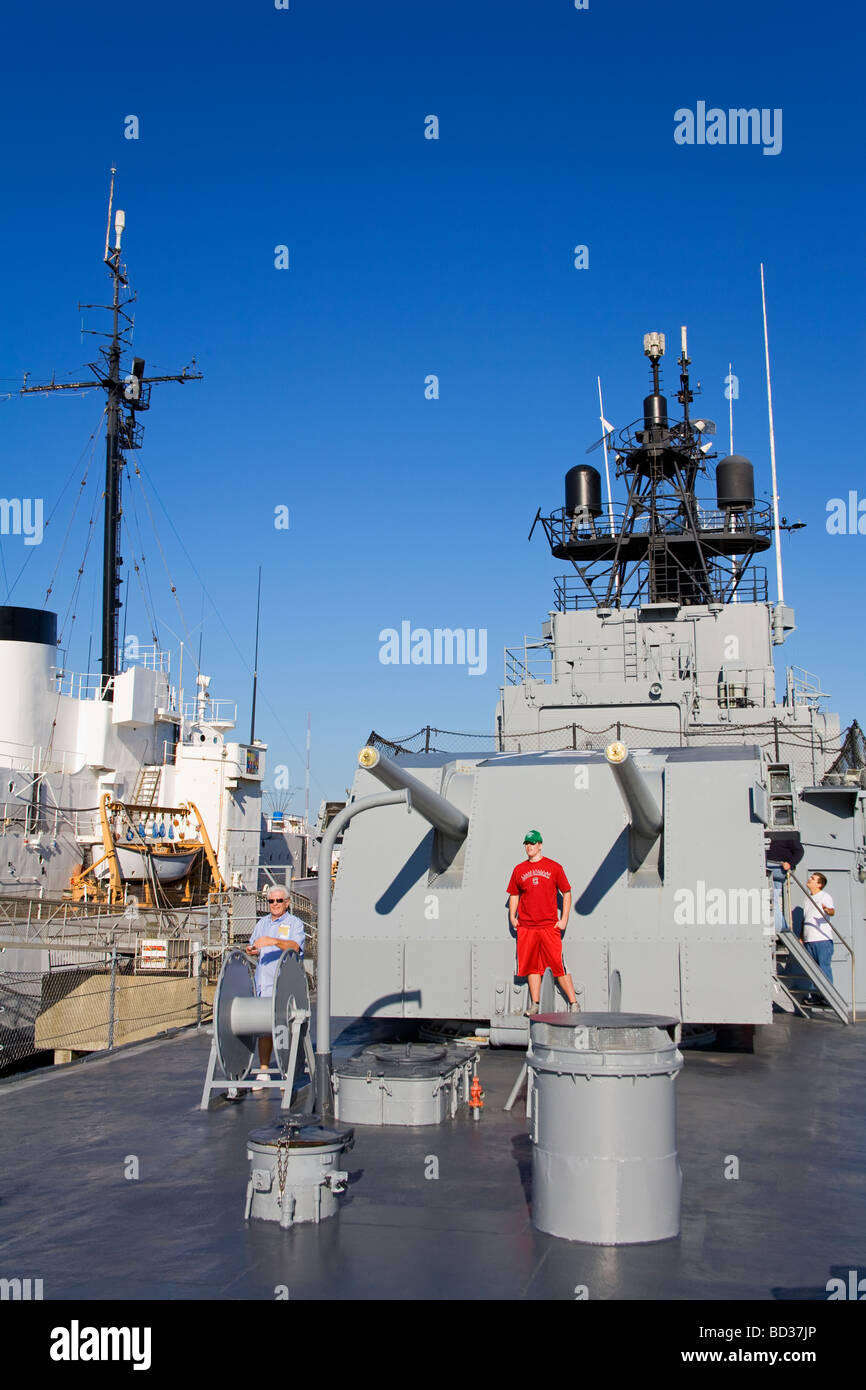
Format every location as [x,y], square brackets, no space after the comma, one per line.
[782,856]
[534,914]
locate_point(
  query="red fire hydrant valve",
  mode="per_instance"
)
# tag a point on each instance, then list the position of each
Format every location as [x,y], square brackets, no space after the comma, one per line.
[476,1098]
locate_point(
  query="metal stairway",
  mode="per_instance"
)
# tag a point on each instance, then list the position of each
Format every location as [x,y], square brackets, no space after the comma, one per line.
[146,786]
[797,951]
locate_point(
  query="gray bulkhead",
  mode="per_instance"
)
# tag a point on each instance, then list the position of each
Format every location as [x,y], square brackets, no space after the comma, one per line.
[414,938]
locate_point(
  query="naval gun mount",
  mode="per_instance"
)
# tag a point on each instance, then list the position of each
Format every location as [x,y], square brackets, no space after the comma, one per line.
[664,847]
[646,818]
[451,823]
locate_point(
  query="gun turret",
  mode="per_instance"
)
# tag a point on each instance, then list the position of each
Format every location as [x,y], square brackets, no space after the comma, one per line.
[440,812]
[644,812]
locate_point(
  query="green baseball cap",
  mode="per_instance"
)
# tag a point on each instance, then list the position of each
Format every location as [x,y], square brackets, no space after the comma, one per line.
[532,837]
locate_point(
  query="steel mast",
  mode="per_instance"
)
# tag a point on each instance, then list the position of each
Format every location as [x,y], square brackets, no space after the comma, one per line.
[669,548]
[125,396]
[113,463]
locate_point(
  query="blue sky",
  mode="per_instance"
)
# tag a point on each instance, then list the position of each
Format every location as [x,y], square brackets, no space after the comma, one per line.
[408,257]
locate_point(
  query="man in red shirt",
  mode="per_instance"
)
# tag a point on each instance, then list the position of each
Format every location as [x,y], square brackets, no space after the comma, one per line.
[533,912]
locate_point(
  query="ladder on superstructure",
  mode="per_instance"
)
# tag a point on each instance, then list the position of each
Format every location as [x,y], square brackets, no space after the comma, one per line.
[629,647]
[146,786]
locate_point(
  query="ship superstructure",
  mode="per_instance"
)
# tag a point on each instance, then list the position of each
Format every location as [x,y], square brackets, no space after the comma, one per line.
[132,840]
[664,631]
[117,755]
[63,747]
[643,732]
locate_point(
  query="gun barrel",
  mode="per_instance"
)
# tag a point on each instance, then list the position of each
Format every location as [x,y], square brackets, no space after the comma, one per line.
[644,811]
[440,812]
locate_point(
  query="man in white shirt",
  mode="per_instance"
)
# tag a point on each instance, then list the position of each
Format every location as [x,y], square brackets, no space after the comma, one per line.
[817,931]
[272,935]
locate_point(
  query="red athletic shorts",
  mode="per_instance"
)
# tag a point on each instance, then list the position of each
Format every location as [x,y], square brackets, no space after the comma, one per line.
[539,948]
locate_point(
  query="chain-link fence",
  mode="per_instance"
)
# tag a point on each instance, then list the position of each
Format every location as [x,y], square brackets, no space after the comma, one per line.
[92,1006]
[852,756]
[92,999]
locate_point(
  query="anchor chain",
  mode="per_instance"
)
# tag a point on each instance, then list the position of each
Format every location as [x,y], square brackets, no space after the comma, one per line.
[283,1146]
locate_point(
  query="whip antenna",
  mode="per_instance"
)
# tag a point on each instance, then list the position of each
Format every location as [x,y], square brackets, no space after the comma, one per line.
[779,585]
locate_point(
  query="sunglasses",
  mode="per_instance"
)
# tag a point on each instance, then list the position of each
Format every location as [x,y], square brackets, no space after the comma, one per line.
[278,900]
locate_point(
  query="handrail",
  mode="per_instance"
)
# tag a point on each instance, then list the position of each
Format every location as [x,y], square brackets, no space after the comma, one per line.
[211,712]
[839,937]
[324,1088]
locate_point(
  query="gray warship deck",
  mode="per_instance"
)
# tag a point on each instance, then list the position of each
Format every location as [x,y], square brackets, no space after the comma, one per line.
[792,1114]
